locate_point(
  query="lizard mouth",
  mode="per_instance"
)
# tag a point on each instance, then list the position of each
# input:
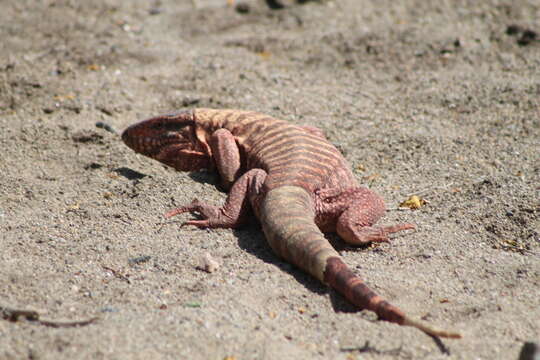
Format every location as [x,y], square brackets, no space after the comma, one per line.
[153,144]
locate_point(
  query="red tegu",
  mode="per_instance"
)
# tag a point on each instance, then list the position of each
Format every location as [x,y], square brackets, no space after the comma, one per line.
[296,183]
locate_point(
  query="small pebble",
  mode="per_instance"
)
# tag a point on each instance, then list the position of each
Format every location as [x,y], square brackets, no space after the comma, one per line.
[105,126]
[208,263]
[242,8]
[139,260]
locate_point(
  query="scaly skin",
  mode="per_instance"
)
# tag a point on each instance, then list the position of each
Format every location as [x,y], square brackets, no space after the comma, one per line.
[291,177]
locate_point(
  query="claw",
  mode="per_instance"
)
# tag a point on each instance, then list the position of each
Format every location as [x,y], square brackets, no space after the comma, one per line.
[381,239]
[382,236]
[209,216]
[197,223]
[376,236]
[175,212]
[396,228]
[359,234]
[194,206]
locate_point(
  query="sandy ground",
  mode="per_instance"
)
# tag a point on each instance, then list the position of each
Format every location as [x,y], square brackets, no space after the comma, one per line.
[435,98]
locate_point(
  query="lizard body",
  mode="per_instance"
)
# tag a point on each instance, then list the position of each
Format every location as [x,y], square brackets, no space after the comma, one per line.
[297,184]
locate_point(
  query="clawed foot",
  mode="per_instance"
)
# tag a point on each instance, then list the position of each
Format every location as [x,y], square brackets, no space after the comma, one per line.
[380,233]
[360,235]
[212,216]
[206,211]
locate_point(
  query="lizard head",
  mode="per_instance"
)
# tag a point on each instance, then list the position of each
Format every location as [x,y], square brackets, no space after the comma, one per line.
[171,139]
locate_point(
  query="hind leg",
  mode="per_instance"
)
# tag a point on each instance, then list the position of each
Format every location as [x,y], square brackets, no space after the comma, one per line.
[356,224]
[357,210]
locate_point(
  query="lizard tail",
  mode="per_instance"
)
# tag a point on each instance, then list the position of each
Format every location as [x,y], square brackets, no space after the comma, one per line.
[341,278]
[287,220]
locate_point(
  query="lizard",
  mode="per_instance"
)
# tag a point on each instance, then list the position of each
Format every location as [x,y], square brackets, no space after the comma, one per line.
[295,182]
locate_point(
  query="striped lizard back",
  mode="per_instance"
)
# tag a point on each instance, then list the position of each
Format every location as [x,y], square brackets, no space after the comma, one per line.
[291,155]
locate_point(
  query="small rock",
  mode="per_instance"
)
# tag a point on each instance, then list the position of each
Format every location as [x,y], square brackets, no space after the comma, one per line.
[242,8]
[513,29]
[208,263]
[139,260]
[530,351]
[105,126]
[527,37]
[274,4]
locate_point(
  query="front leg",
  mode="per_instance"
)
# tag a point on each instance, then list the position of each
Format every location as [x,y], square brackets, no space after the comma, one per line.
[236,208]
[226,156]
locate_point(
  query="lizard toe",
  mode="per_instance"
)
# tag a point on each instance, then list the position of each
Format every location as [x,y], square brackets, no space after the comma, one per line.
[175,212]
[197,223]
[398,227]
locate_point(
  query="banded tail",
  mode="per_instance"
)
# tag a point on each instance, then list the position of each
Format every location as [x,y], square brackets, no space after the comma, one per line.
[287,220]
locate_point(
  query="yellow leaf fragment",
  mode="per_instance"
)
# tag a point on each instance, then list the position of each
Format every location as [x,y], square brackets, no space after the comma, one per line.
[414,202]
[360,167]
[513,243]
[264,54]
[64,97]
[74,207]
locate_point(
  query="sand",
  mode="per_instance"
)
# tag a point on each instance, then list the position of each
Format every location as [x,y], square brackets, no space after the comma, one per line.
[439,99]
